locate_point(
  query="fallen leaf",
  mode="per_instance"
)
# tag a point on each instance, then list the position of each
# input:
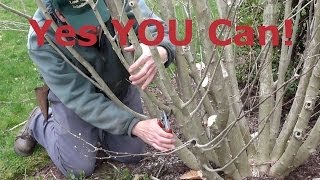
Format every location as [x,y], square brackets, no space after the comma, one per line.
[192,175]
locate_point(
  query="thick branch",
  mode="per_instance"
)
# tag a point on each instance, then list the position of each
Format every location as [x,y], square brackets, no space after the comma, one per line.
[311,51]
[311,96]
[266,84]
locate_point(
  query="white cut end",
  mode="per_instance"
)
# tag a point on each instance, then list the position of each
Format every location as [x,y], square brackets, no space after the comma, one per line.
[212,119]
[200,66]
[254,134]
[224,71]
[205,82]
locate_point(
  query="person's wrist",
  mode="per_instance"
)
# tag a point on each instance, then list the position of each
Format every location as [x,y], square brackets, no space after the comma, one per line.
[136,129]
[163,53]
[132,125]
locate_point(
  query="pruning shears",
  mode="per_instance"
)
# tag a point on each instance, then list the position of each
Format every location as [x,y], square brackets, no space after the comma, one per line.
[164,122]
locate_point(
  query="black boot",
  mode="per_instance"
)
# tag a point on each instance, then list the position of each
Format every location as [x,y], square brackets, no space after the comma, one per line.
[24,144]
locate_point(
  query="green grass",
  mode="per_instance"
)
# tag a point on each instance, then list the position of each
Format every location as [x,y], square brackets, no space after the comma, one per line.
[18,78]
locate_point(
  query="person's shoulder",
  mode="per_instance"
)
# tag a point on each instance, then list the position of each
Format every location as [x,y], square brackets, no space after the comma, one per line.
[40,20]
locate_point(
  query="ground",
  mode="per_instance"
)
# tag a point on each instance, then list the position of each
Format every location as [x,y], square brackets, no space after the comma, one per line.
[310,170]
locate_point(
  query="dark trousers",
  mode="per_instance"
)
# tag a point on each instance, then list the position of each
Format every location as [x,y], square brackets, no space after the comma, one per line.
[69,140]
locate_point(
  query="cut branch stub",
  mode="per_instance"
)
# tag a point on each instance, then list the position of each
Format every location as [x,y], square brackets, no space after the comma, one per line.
[132,4]
[309,105]
[298,134]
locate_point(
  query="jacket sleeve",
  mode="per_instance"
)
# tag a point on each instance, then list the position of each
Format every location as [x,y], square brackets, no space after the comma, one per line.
[78,94]
[148,14]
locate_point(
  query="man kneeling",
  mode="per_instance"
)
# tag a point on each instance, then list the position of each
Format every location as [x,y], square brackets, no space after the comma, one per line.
[81,116]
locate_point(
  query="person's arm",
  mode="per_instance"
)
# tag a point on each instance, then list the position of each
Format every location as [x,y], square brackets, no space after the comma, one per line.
[78,94]
[149,130]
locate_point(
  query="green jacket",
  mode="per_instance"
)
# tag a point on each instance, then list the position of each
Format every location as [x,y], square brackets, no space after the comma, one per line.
[79,94]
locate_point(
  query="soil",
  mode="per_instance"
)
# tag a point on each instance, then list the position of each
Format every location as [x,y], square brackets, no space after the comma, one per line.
[310,170]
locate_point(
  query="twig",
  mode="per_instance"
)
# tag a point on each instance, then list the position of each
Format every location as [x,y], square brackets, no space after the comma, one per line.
[14,26]
[159,171]
[225,132]
[115,167]
[113,154]
[15,11]
[208,88]
[249,143]
[244,148]
[53,174]
[207,67]
[16,126]
[17,102]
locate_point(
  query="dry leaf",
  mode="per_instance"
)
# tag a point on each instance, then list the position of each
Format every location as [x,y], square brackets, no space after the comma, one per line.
[192,175]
